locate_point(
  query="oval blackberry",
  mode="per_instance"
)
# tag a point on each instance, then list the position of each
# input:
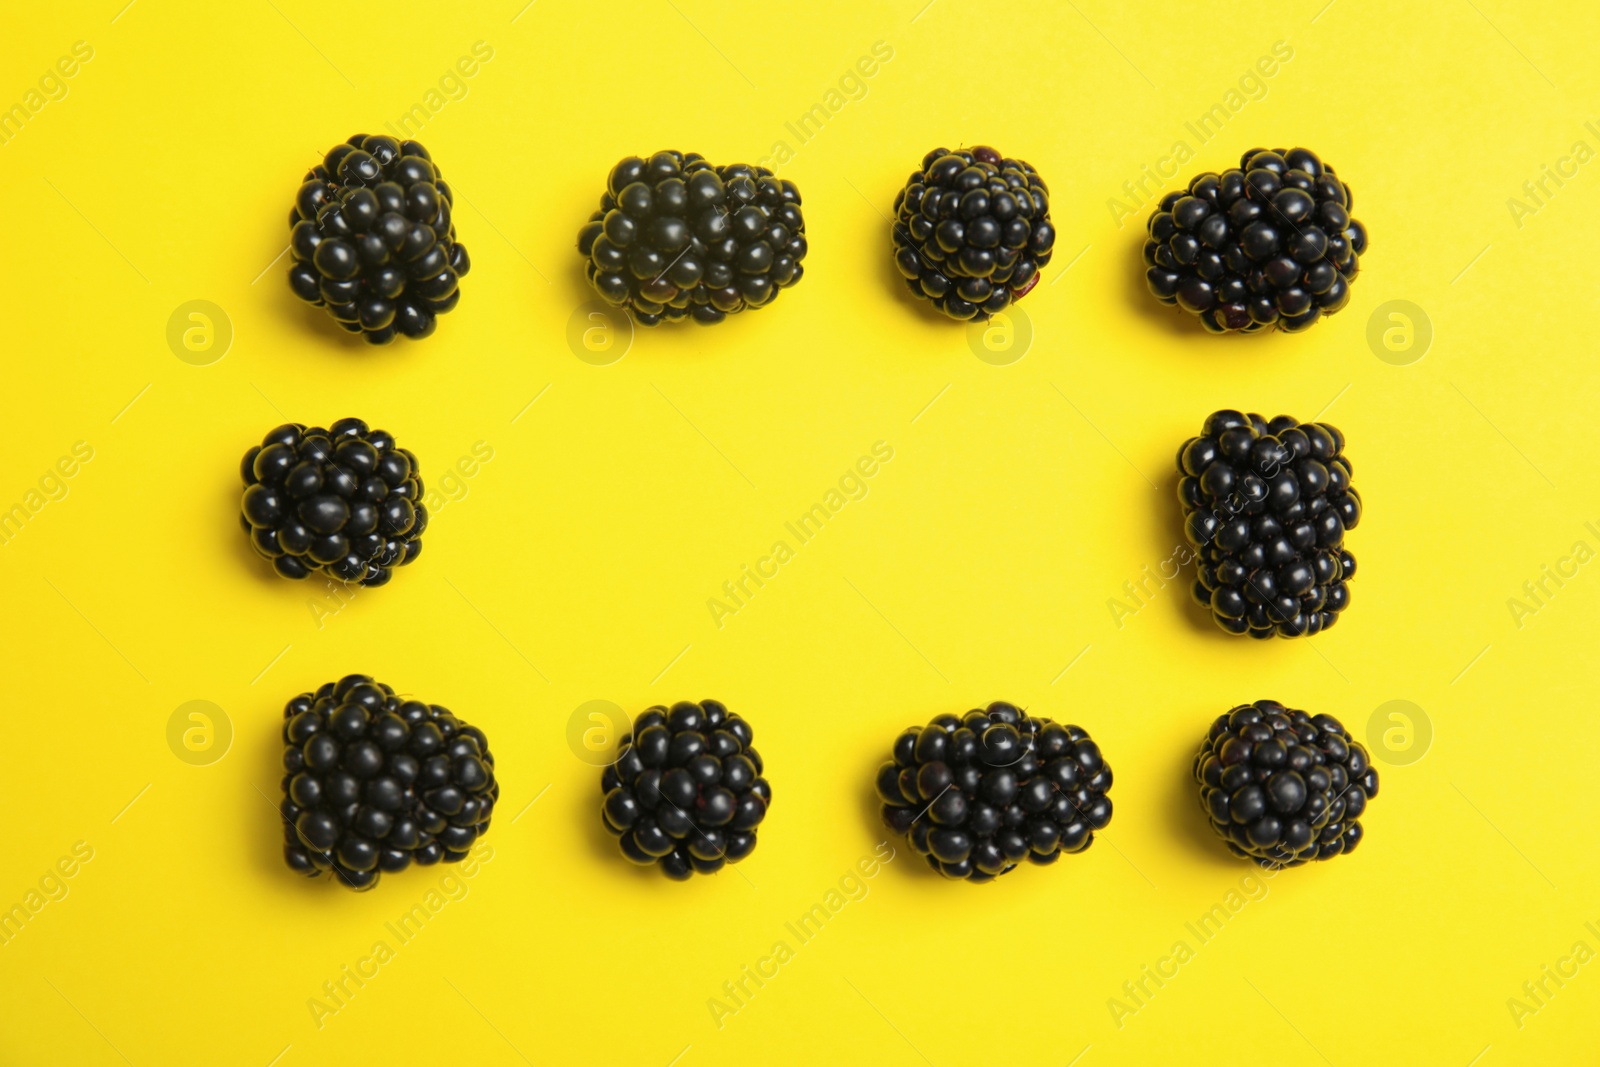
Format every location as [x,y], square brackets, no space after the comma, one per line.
[676,238]
[977,794]
[971,230]
[685,792]
[1283,787]
[345,501]
[374,782]
[1268,243]
[372,239]
[1266,505]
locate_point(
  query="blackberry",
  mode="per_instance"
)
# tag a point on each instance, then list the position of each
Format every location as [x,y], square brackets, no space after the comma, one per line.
[372,239]
[345,501]
[997,786]
[1268,243]
[971,230]
[1266,505]
[677,238]
[685,792]
[1283,787]
[374,782]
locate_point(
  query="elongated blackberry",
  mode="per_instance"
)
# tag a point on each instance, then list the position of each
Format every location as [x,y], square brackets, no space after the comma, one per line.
[1268,243]
[372,239]
[676,238]
[1283,787]
[971,231]
[685,792]
[1266,505]
[374,782]
[977,794]
[346,501]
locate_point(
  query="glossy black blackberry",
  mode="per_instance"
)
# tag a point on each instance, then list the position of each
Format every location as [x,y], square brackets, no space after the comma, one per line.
[685,792]
[345,501]
[1266,505]
[971,230]
[374,782]
[677,238]
[977,794]
[1282,787]
[372,239]
[1268,243]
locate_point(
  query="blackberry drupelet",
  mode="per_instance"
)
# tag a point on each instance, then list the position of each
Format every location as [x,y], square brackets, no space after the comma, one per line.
[372,239]
[1283,787]
[1266,505]
[997,786]
[676,238]
[685,792]
[971,230]
[345,501]
[1268,243]
[374,782]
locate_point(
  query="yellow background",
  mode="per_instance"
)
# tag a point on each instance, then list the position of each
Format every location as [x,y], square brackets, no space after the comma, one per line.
[578,565]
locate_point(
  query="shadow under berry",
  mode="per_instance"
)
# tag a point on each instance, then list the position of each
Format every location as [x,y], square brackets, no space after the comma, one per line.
[315,326]
[1141,301]
[1185,822]
[267,831]
[1167,506]
[248,559]
[585,809]
[896,282]
[878,830]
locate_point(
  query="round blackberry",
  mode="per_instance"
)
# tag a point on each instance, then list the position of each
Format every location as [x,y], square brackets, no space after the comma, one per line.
[971,230]
[374,782]
[1282,787]
[1266,505]
[345,501]
[997,786]
[677,238]
[1268,243]
[685,792]
[372,239]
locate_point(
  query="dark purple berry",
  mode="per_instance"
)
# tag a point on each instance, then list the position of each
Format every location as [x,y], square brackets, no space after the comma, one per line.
[1282,787]
[1270,244]
[357,803]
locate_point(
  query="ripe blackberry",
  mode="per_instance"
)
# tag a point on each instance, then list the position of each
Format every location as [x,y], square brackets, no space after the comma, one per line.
[1268,243]
[1282,787]
[677,238]
[997,785]
[374,782]
[373,241]
[685,791]
[344,501]
[1266,505]
[971,230]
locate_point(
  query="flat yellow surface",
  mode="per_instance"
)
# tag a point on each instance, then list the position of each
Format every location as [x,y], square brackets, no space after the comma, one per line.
[987,559]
